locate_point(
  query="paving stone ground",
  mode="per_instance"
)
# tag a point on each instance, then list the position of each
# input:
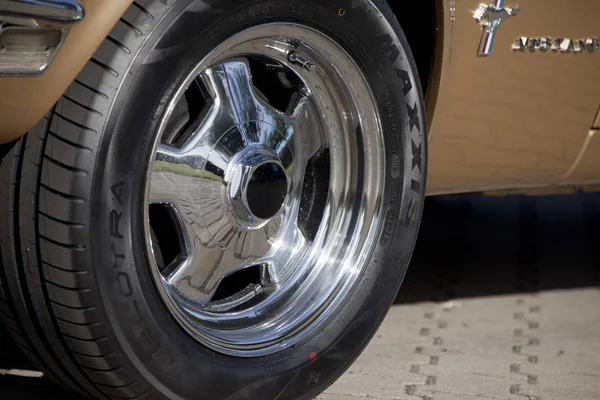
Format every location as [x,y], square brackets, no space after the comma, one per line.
[502,301]
[511,347]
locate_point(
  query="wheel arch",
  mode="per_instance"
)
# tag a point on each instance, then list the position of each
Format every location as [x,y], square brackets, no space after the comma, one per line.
[423,24]
[27,104]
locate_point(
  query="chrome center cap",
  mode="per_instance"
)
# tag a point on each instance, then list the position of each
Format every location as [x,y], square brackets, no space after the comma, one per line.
[257,186]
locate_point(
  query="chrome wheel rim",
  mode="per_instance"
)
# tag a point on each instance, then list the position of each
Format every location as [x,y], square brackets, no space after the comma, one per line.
[263,204]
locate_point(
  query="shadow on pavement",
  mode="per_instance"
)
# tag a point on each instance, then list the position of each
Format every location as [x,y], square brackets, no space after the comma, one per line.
[15,386]
[474,245]
[469,246]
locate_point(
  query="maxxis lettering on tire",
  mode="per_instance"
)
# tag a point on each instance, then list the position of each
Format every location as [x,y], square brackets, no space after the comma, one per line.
[393,51]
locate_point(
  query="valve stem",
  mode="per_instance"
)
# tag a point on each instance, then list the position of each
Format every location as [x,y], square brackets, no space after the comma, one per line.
[297,59]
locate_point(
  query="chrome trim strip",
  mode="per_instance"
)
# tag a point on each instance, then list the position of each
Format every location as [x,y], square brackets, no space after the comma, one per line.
[22,71]
[63,11]
[580,156]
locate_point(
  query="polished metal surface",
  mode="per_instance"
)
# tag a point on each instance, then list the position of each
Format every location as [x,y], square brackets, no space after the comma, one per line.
[206,179]
[491,17]
[235,183]
[63,11]
[563,45]
[28,50]
[506,122]
[32,32]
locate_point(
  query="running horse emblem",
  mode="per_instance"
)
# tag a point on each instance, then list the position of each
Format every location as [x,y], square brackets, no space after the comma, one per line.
[491,17]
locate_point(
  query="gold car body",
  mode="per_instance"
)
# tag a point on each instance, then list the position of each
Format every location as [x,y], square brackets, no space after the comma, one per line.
[513,120]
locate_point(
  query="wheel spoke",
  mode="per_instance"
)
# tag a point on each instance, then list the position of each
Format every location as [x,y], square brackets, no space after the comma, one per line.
[279,173]
[192,179]
[287,249]
[200,274]
[230,86]
[309,134]
[173,177]
[236,109]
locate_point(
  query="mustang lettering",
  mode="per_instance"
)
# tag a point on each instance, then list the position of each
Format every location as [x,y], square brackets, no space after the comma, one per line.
[556,44]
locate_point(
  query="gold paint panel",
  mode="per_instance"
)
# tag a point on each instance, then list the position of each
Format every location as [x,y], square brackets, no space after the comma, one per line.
[513,119]
[25,100]
[509,120]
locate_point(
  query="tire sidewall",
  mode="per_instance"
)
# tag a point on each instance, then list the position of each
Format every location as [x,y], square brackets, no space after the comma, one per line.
[156,345]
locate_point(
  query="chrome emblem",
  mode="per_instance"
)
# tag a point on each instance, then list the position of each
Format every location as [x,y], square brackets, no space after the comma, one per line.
[491,16]
[562,45]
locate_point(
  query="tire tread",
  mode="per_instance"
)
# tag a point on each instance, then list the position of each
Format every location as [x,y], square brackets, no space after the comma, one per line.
[48,301]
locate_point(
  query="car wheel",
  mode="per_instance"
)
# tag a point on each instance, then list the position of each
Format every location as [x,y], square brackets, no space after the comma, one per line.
[222,205]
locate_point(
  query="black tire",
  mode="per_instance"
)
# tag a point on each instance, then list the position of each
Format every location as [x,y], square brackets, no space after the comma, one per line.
[76,292]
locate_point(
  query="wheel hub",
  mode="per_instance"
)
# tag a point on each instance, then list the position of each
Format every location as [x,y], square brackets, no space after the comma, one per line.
[257,186]
[267,190]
